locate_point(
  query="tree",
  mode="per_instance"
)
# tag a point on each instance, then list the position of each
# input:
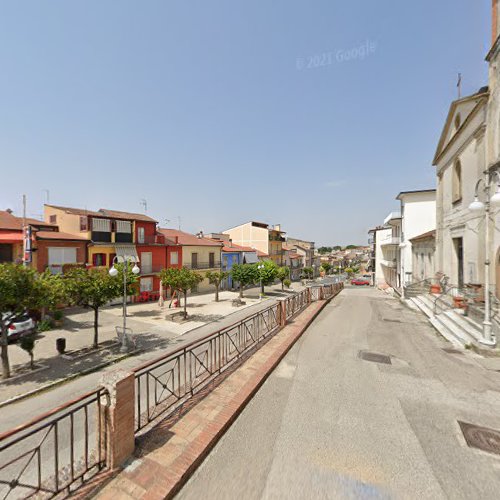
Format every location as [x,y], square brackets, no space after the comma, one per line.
[244,275]
[349,271]
[337,247]
[27,343]
[19,291]
[308,272]
[182,280]
[326,267]
[282,274]
[53,291]
[351,247]
[93,288]
[267,273]
[323,250]
[216,278]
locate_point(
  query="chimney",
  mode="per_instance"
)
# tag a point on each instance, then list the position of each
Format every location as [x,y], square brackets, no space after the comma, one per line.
[277,227]
[9,211]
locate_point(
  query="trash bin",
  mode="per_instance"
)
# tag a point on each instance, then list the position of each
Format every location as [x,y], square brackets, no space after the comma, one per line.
[61,345]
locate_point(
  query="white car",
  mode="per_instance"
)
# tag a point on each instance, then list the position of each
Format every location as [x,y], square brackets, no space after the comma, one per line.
[23,325]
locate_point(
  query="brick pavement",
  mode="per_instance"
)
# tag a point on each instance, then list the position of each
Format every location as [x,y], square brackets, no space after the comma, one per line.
[165,462]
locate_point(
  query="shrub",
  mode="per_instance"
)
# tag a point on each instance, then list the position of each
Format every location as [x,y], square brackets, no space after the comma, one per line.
[287,283]
[45,325]
[57,315]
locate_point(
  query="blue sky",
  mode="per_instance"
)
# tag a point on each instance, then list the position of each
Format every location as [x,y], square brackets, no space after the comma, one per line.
[219,111]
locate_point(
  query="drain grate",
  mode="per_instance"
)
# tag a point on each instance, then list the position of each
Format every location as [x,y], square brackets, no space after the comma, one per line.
[375,357]
[481,437]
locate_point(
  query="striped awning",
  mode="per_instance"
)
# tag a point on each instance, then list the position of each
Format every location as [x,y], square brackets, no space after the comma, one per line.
[126,253]
[250,257]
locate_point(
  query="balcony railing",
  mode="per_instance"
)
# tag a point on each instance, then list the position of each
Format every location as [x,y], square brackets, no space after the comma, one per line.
[151,239]
[204,265]
[393,240]
[150,269]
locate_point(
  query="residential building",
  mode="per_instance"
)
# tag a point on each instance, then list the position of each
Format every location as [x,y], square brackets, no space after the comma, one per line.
[423,248]
[268,240]
[198,253]
[49,248]
[306,249]
[389,245]
[381,235]
[418,216]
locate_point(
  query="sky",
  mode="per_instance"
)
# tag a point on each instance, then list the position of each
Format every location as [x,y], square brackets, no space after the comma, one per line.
[312,114]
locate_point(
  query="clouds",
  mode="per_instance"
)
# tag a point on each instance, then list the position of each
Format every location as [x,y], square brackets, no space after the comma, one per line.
[333,184]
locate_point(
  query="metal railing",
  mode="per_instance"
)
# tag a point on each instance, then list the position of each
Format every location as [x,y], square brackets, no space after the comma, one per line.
[204,265]
[56,452]
[164,384]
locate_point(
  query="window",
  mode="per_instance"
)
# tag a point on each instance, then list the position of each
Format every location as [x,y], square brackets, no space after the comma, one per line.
[457,182]
[174,258]
[101,225]
[211,259]
[123,226]
[146,284]
[84,226]
[140,235]
[99,259]
[53,219]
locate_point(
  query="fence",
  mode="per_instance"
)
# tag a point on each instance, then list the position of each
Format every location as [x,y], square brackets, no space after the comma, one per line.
[56,452]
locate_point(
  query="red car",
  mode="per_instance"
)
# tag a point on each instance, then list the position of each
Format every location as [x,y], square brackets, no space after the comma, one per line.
[360,282]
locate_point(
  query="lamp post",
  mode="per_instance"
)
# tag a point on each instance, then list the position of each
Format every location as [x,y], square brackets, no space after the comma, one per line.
[476,206]
[260,267]
[114,272]
[314,270]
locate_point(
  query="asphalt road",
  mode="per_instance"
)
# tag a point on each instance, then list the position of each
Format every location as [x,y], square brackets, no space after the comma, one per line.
[328,424]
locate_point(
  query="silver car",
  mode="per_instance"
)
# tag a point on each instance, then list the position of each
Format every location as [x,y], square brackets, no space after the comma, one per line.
[23,325]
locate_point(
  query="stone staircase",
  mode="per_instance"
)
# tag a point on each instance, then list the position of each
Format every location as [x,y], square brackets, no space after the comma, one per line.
[451,323]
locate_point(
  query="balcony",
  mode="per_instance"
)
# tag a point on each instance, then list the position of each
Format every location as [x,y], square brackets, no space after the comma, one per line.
[149,269]
[123,238]
[392,241]
[151,239]
[388,263]
[204,265]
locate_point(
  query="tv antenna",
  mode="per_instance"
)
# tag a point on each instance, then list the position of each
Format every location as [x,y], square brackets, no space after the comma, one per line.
[144,204]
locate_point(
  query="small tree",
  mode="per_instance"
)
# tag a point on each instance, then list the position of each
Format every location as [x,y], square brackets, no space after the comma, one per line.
[27,343]
[181,280]
[287,283]
[216,278]
[308,272]
[349,271]
[283,273]
[267,273]
[53,291]
[326,267]
[19,291]
[244,275]
[93,288]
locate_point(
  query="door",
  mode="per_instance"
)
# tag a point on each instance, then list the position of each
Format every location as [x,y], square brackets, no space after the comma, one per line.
[459,254]
[194,260]
[146,262]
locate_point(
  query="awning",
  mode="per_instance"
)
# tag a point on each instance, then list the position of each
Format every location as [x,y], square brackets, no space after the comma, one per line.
[11,237]
[127,253]
[250,257]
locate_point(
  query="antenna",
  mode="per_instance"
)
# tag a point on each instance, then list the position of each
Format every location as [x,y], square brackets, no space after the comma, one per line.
[459,85]
[179,220]
[144,204]
[166,221]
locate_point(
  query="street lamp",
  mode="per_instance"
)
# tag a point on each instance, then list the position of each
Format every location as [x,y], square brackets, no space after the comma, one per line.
[477,206]
[260,267]
[114,272]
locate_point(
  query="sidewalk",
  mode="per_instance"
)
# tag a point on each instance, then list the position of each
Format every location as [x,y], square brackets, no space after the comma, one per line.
[168,454]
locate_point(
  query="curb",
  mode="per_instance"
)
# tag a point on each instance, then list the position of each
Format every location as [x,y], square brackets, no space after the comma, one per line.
[231,419]
[46,387]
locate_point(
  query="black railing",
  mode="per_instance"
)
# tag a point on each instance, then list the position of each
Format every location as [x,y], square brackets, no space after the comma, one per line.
[216,264]
[56,452]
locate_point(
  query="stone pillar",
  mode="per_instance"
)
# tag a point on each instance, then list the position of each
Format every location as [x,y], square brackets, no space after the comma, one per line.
[308,295]
[282,313]
[120,413]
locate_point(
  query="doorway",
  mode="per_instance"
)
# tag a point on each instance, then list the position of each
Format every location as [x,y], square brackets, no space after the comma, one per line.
[459,254]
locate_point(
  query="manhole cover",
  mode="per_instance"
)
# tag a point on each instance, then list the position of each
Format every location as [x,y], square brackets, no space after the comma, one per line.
[375,357]
[481,437]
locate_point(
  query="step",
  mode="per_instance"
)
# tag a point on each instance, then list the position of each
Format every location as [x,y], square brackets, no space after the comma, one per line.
[465,323]
[445,332]
[464,336]
[424,304]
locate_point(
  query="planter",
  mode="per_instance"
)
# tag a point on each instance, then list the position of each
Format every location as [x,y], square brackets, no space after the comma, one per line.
[435,288]
[58,323]
[61,345]
[459,302]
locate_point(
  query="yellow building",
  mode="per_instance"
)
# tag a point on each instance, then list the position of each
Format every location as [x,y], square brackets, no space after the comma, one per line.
[260,236]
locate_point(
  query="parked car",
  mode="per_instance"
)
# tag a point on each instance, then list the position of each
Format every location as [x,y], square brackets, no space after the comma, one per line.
[23,325]
[360,282]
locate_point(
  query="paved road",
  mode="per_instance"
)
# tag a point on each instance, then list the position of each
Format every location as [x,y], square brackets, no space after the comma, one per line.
[327,424]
